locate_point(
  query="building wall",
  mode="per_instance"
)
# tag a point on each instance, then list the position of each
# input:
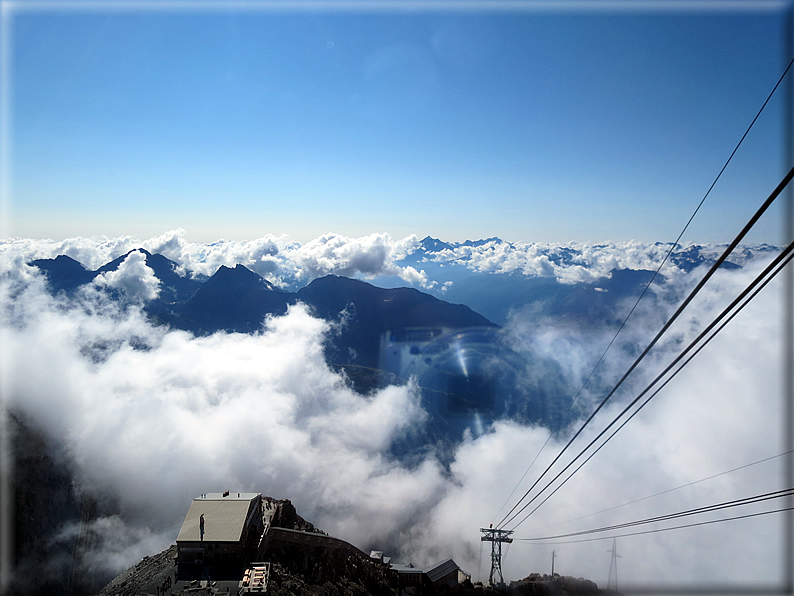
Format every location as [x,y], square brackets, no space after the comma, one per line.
[208,552]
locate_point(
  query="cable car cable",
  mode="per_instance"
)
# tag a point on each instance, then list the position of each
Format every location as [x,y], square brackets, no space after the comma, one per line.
[653,277]
[790,256]
[703,523]
[669,490]
[763,278]
[778,494]
[739,237]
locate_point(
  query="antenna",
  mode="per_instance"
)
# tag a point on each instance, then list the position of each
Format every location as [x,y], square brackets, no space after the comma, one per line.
[553,556]
[612,583]
[496,538]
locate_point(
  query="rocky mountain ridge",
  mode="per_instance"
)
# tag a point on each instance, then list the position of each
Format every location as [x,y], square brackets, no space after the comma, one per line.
[238,300]
[323,571]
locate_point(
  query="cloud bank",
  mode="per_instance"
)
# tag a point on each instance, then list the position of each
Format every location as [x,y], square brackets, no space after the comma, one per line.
[276,258]
[152,417]
[291,265]
[133,279]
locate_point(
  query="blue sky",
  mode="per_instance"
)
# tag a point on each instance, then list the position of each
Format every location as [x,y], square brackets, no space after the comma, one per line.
[540,123]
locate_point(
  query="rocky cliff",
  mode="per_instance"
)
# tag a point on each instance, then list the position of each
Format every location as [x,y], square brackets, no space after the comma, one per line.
[295,568]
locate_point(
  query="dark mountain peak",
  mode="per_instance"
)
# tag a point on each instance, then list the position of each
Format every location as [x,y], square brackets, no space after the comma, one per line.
[481,242]
[340,290]
[62,262]
[430,244]
[63,272]
[139,249]
[174,287]
[114,264]
[691,257]
[374,311]
[239,275]
[333,293]
[688,258]
[233,299]
[332,280]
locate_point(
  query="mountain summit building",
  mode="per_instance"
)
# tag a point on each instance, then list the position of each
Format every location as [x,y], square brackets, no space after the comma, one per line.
[219,528]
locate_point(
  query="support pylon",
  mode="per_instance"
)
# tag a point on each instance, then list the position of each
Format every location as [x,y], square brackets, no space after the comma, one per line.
[612,583]
[496,538]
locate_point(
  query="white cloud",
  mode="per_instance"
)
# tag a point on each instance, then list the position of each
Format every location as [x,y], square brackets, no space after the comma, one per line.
[91,252]
[153,427]
[111,543]
[134,279]
[287,263]
[335,254]
[276,258]
[569,262]
[154,417]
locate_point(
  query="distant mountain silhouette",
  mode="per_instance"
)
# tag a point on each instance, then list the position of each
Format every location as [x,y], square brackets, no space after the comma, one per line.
[64,273]
[462,276]
[595,303]
[465,367]
[482,242]
[373,311]
[234,300]
[690,258]
[238,300]
[174,288]
[430,244]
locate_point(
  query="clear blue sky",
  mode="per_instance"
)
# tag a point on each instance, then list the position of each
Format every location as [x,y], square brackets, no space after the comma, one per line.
[531,124]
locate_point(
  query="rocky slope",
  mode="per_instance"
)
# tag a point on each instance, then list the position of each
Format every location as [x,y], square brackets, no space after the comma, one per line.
[145,577]
[300,569]
[295,568]
[46,556]
[560,585]
[239,300]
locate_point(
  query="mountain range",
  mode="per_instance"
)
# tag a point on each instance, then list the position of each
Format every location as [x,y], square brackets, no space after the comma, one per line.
[464,370]
[238,300]
[383,332]
[490,276]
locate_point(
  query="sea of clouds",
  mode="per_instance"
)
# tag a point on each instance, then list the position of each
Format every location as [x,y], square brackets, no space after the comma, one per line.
[276,258]
[290,264]
[150,417]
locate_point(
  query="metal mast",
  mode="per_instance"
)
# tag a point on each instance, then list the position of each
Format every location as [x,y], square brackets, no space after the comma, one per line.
[612,583]
[496,538]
